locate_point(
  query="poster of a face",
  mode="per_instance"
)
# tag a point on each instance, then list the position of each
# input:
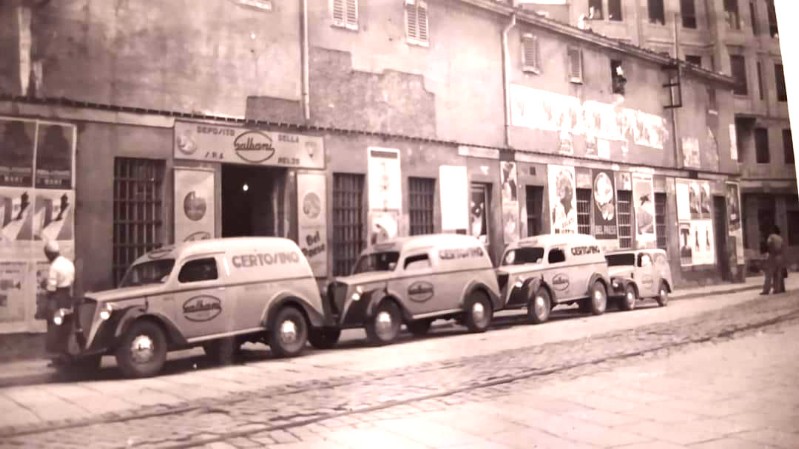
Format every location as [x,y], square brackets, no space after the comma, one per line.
[509,182]
[17,139]
[604,205]
[644,198]
[562,199]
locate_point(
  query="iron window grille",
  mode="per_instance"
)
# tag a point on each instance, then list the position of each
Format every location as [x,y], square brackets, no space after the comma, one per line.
[660,220]
[138,211]
[416,23]
[625,224]
[584,211]
[345,13]
[348,221]
[422,193]
[531,61]
[535,209]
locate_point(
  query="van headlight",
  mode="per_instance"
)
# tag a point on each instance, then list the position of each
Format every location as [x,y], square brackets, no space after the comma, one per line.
[356,295]
[58,317]
[105,314]
[616,284]
[519,283]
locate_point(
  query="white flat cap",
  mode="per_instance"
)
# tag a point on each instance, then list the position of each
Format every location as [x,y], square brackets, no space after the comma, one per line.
[52,247]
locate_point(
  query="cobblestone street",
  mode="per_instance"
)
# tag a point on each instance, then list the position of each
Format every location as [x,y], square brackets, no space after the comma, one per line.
[602,380]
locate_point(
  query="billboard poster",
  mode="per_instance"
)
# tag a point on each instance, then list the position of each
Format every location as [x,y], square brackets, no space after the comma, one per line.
[454,198]
[17,144]
[383,225]
[385,179]
[644,205]
[510,182]
[194,204]
[734,213]
[604,205]
[562,199]
[690,152]
[510,202]
[16,215]
[733,143]
[311,199]
[54,161]
[14,285]
[694,214]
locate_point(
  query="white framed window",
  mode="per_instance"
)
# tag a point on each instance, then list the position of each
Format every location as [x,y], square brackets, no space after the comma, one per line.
[531,59]
[416,26]
[576,65]
[345,13]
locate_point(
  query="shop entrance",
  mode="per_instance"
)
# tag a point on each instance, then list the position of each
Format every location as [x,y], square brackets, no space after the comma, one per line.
[252,201]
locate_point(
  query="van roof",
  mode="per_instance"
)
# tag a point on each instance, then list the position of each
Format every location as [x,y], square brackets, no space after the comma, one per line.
[210,246]
[401,244]
[634,251]
[547,240]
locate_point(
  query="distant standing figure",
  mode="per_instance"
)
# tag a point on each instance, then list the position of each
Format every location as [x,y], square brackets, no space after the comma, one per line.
[58,285]
[775,264]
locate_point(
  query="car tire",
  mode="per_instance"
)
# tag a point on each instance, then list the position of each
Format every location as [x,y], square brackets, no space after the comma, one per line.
[288,333]
[384,326]
[663,295]
[539,307]
[324,338]
[598,302]
[142,350]
[478,312]
[627,302]
[419,328]
[223,351]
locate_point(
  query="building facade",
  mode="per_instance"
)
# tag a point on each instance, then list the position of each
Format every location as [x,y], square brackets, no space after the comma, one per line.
[341,123]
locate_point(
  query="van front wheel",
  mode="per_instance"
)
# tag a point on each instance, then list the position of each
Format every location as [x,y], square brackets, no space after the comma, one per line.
[289,333]
[384,326]
[539,307]
[478,313]
[142,350]
[598,301]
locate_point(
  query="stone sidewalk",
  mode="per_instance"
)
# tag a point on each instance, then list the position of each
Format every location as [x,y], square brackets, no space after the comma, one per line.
[722,395]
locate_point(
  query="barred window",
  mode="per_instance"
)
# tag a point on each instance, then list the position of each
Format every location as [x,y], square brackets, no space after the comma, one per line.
[584,211]
[660,220]
[345,13]
[416,25]
[422,193]
[348,221]
[138,210]
[535,209]
[625,218]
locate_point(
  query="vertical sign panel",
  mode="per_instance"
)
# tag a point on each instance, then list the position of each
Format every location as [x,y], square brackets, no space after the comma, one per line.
[385,193]
[454,198]
[562,199]
[604,205]
[735,226]
[697,246]
[644,205]
[312,218]
[510,202]
[194,204]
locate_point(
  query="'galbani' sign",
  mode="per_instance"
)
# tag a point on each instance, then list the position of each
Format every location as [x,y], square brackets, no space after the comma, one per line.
[219,143]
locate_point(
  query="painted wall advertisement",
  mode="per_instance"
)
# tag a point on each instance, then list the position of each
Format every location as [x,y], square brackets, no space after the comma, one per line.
[690,152]
[385,194]
[604,205]
[312,230]
[510,202]
[562,199]
[694,214]
[454,199]
[37,203]
[644,204]
[735,226]
[194,204]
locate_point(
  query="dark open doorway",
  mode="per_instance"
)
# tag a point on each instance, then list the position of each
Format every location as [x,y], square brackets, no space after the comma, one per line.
[252,200]
[721,231]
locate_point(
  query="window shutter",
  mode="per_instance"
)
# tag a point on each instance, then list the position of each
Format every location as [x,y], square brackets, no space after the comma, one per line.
[575,65]
[421,9]
[338,12]
[410,14]
[416,21]
[530,58]
[352,13]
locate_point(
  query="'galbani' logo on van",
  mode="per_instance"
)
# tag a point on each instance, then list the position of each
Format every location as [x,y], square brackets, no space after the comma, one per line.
[420,291]
[202,308]
[254,146]
[560,282]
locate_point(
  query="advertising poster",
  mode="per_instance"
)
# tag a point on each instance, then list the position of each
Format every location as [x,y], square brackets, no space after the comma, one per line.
[510,202]
[510,221]
[385,179]
[16,215]
[454,198]
[694,214]
[17,142]
[604,205]
[509,182]
[644,206]
[734,213]
[194,204]
[478,219]
[54,150]
[312,218]
[562,199]
[383,225]
[733,143]
[690,152]
[14,286]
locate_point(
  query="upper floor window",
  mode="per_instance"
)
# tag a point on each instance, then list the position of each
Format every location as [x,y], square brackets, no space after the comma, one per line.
[345,13]
[657,13]
[787,146]
[779,80]
[688,12]
[738,68]
[618,81]
[531,61]
[595,9]
[753,18]
[614,10]
[416,25]
[732,15]
[772,19]
[575,65]
[762,155]
[694,60]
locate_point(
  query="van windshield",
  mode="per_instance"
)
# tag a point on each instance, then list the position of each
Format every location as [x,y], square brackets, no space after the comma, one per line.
[385,261]
[153,272]
[521,256]
[618,260]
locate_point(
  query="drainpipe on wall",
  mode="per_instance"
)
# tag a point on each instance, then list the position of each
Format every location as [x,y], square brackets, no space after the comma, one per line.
[674,128]
[506,76]
[306,99]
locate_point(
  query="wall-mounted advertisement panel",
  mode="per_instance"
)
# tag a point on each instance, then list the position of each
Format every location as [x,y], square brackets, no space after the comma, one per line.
[735,226]
[562,199]
[510,202]
[694,214]
[454,198]
[194,204]
[644,206]
[312,220]
[604,205]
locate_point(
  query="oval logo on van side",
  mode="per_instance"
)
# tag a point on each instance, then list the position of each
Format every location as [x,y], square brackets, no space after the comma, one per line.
[202,308]
[420,291]
[254,146]
[560,282]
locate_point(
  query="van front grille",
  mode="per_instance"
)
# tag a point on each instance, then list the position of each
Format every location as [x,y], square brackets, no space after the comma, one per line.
[502,279]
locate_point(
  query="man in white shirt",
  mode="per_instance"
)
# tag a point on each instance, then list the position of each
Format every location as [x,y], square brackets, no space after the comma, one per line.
[58,285]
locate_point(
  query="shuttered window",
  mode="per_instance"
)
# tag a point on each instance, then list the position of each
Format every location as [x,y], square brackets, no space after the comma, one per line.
[530,56]
[535,209]
[422,192]
[138,210]
[348,221]
[660,220]
[345,13]
[416,22]
[584,211]
[625,219]
[575,65]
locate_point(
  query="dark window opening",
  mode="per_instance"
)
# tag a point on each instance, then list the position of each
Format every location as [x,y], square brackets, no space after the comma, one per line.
[385,261]
[198,270]
[417,262]
[731,14]
[772,19]
[521,256]
[761,146]
[252,200]
[625,219]
[421,193]
[779,79]
[688,12]
[618,81]
[535,209]
[660,221]
[694,59]
[614,10]
[760,89]
[595,9]
[753,18]
[738,66]
[711,99]
[348,222]
[584,211]
[657,13]
[556,255]
[787,146]
[793,227]
[621,260]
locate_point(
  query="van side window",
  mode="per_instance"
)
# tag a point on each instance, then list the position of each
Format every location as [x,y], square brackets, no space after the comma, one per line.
[557,255]
[198,270]
[644,260]
[417,262]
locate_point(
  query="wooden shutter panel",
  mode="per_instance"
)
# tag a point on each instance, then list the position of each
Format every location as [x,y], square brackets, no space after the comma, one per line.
[413,27]
[530,58]
[352,12]
[575,65]
[421,10]
[339,12]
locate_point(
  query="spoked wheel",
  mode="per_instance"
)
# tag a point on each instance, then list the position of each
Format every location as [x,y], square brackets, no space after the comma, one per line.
[289,333]
[419,328]
[627,302]
[663,295]
[142,351]
[384,326]
[540,306]
[598,301]
[478,313]
[324,338]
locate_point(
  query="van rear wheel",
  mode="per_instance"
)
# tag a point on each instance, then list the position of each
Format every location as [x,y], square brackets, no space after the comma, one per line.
[384,326]
[142,350]
[663,295]
[478,313]
[288,333]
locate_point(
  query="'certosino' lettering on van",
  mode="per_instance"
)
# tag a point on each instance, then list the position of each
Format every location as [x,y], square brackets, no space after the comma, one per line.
[450,254]
[260,259]
[585,250]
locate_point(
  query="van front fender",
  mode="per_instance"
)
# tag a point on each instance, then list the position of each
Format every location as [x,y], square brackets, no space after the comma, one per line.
[597,277]
[129,315]
[315,318]
[473,286]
